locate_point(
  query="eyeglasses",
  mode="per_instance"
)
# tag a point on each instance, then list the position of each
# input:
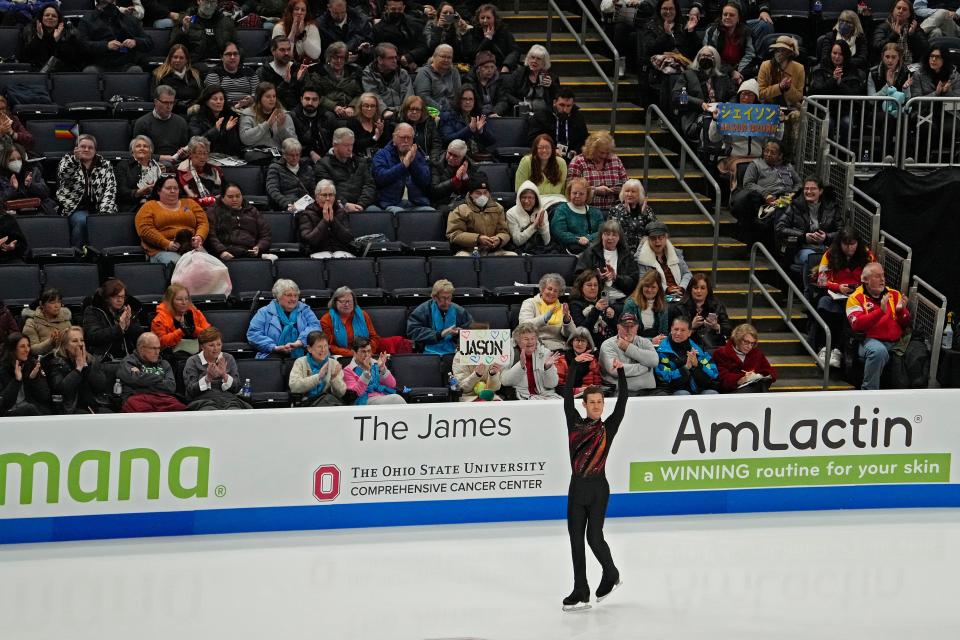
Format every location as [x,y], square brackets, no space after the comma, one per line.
[231,54]
[169,103]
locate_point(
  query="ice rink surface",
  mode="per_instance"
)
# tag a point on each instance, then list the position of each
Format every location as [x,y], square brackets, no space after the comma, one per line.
[850,575]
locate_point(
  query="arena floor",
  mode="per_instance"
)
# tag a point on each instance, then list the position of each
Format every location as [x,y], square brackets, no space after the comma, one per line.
[851,575]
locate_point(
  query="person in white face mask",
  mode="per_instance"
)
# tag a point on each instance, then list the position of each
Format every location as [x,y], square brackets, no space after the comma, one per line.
[479,225]
[23,181]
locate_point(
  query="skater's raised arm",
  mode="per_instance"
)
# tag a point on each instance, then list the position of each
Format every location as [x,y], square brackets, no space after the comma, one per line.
[569,407]
[613,422]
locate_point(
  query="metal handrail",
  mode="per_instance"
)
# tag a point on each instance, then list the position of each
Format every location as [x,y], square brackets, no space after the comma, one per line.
[941,316]
[685,153]
[857,205]
[792,292]
[586,16]
[907,259]
[914,106]
[866,152]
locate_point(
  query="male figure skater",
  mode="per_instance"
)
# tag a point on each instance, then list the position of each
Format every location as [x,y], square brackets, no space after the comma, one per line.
[590,439]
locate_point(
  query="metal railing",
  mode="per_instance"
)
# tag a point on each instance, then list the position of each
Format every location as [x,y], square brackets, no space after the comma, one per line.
[864,217]
[896,266]
[928,309]
[837,168]
[581,37]
[929,133]
[812,139]
[861,125]
[686,153]
[793,293]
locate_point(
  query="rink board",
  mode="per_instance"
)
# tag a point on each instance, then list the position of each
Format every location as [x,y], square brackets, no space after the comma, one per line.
[85,477]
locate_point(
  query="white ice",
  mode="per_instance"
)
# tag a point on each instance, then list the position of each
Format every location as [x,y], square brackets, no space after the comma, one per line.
[850,575]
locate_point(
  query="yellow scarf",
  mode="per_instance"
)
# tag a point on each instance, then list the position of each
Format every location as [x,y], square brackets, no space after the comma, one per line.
[543,307]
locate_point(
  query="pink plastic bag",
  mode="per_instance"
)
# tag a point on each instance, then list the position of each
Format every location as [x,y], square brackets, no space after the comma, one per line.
[202,274]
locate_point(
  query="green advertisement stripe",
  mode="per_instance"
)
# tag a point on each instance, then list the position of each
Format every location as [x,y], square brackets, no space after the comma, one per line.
[796,471]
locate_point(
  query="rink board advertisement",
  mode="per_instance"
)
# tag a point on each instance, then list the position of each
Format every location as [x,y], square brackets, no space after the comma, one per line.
[82,477]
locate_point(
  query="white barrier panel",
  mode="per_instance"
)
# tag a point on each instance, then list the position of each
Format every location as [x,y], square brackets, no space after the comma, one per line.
[81,477]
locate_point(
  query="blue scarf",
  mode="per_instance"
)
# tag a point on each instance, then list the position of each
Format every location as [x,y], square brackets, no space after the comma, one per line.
[288,328]
[314,370]
[445,346]
[359,325]
[374,384]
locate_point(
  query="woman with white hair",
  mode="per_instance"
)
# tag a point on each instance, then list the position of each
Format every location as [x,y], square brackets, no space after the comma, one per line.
[136,175]
[198,178]
[534,376]
[438,81]
[633,213]
[706,84]
[289,178]
[534,83]
[550,319]
[280,329]
[324,228]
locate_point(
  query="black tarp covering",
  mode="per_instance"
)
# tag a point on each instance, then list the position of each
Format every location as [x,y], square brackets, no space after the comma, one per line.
[923,211]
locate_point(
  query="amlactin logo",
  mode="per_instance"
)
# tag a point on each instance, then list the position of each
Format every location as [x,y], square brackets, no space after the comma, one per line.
[103,462]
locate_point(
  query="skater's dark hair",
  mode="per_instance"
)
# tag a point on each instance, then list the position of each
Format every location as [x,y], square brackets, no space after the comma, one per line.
[592,389]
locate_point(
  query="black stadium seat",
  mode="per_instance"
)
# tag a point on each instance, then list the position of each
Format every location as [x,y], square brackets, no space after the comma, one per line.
[9,42]
[55,137]
[145,281]
[254,43]
[74,281]
[495,315]
[370,222]
[76,5]
[21,285]
[421,373]
[113,136]
[499,176]
[232,326]
[389,321]
[562,264]
[48,237]
[423,231]
[249,276]
[115,236]
[462,272]
[251,181]
[78,94]
[511,137]
[283,234]
[309,276]
[267,380]
[499,275]
[133,85]
[161,43]
[360,274]
[404,277]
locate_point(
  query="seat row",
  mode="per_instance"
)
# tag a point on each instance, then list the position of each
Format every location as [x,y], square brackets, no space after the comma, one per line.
[374,280]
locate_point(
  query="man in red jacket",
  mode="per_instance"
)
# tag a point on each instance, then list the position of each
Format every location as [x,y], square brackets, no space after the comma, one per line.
[881,313]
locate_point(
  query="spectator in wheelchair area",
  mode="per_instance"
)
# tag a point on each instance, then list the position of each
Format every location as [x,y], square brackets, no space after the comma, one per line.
[46,321]
[529,223]
[370,379]
[609,257]
[211,379]
[731,36]
[683,367]
[880,314]
[198,178]
[345,321]
[349,171]
[451,176]
[599,165]
[706,84]
[534,375]
[638,355]
[290,177]
[318,376]
[741,365]
[148,381]
[479,225]
[807,226]
[435,325]
[87,186]
[177,73]
[401,169]
[848,30]
[77,376]
[22,180]
[324,226]
[24,390]
[168,131]
[657,253]
[136,175]
[111,40]
[633,213]
[709,322]
[767,179]
[111,322]
[237,230]
[563,122]
[280,329]
[580,360]
[838,275]
[547,315]
[214,119]
[168,224]
[543,167]
[574,224]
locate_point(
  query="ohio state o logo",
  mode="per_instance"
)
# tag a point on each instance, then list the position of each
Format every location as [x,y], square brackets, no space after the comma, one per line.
[326,483]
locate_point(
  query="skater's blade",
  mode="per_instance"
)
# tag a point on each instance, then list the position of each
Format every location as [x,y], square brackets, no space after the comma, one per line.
[570,608]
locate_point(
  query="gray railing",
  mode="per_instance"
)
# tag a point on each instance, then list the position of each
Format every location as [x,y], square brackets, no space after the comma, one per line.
[837,168]
[812,138]
[895,257]
[861,125]
[581,38]
[793,293]
[680,173]
[928,309]
[929,133]
[864,217]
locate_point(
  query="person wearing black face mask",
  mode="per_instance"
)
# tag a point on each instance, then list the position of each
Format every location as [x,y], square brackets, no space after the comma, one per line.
[111,40]
[20,180]
[705,83]
[847,29]
[310,126]
[404,30]
[49,42]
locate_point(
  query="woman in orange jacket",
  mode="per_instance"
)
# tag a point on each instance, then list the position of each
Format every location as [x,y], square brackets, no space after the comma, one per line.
[178,322]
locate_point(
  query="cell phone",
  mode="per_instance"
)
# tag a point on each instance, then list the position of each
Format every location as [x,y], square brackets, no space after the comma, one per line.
[711,317]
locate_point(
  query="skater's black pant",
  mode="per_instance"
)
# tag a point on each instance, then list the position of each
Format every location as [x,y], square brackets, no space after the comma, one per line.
[586,510]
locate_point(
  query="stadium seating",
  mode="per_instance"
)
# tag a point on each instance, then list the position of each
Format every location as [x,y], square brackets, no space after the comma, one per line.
[421,373]
[423,231]
[267,380]
[48,237]
[359,273]
[144,281]
[404,277]
[232,325]
[21,284]
[499,275]
[252,278]
[462,272]
[309,276]
[283,234]
[74,281]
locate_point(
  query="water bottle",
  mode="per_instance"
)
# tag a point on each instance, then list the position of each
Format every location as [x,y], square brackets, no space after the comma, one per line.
[57,400]
[454,386]
[866,156]
[117,387]
[246,391]
[818,7]
[684,98]
[946,343]
[476,251]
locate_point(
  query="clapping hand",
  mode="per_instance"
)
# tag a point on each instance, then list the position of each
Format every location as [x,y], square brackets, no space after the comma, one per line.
[586,356]
[14,183]
[7,246]
[382,361]
[566,313]
[125,317]
[80,358]
[691,359]
[902,304]
[551,360]
[35,371]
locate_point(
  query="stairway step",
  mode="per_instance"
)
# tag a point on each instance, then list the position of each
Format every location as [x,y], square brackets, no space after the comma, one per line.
[807,384]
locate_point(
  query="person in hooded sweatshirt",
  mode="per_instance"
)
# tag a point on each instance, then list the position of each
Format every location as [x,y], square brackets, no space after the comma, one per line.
[529,223]
[737,149]
[574,223]
[479,224]
[46,323]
